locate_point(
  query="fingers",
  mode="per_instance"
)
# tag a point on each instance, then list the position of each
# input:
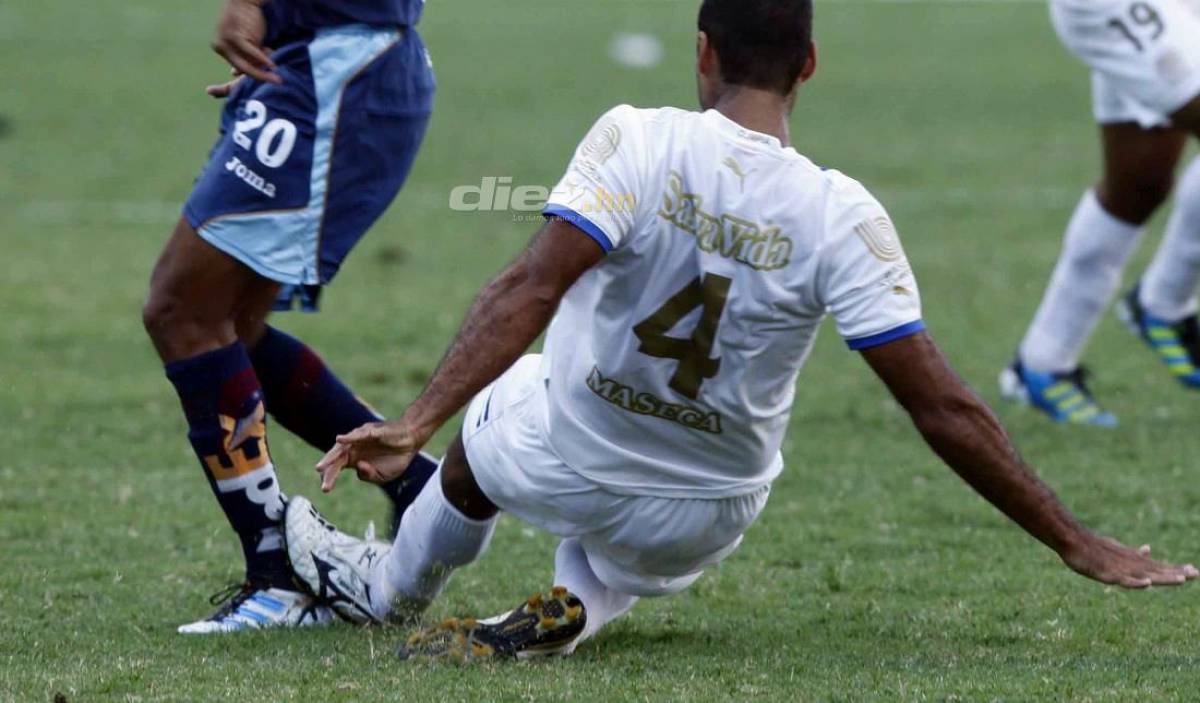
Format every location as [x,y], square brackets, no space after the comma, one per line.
[1133,583]
[329,478]
[330,466]
[1152,573]
[337,457]
[222,90]
[248,58]
[365,433]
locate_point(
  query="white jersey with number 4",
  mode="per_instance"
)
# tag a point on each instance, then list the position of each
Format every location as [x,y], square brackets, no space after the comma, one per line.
[671,365]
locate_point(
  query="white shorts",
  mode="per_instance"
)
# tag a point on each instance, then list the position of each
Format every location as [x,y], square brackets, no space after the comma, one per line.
[1144,55]
[639,545]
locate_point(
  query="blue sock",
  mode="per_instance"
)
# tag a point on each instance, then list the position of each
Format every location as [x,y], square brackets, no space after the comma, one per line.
[304,396]
[227,427]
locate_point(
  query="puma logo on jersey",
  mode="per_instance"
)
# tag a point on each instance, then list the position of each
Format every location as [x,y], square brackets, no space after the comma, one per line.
[643,403]
[761,247]
[732,164]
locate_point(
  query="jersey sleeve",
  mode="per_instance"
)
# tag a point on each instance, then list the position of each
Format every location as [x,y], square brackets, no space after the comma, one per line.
[598,193]
[866,282]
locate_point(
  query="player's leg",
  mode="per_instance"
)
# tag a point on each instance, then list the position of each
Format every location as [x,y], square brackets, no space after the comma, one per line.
[448,526]
[303,395]
[371,99]
[602,604]
[197,292]
[1103,233]
[1162,308]
[637,546]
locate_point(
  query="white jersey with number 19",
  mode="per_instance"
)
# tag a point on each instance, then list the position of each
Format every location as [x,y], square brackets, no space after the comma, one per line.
[671,365]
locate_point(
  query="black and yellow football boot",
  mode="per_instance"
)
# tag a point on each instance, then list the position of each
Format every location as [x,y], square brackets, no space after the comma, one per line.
[543,626]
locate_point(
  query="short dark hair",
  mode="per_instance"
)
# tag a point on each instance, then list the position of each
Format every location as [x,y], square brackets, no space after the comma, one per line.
[761,43]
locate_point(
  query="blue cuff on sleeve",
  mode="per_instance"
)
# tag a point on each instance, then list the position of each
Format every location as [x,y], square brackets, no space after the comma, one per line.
[891,335]
[589,228]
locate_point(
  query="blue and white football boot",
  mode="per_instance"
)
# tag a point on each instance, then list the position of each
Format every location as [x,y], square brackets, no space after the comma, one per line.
[335,567]
[250,607]
[1176,344]
[1064,397]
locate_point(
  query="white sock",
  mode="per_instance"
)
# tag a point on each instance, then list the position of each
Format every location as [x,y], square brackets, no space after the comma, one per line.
[601,604]
[1085,281]
[434,540]
[1169,286]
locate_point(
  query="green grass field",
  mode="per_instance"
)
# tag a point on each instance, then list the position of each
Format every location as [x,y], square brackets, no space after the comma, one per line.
[873,575]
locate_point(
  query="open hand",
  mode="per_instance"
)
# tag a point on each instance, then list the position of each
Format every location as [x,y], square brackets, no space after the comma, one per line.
[379,452]
[239,40]
[1108,561]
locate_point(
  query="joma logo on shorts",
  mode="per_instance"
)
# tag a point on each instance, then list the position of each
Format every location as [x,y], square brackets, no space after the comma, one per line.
[251,178]
[763,248]
[644,403]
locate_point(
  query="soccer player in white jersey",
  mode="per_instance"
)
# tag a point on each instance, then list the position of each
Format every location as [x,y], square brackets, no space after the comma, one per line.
[691,257]
[1145,61]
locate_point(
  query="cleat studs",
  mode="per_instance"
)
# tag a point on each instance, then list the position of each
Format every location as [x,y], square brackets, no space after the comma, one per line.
[548,623]
[533,604]
[481,651]
[470,623]
[573,613]
[558,592]
[450,624]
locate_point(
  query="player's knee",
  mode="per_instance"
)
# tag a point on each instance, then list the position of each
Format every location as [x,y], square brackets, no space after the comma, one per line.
[460,487]
[179,329]
[1134,198]
[157,314]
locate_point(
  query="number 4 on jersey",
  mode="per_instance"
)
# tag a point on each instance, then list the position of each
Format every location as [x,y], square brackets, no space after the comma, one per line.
[710,291]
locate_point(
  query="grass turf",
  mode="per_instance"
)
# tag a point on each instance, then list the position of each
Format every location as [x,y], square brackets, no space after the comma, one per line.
[873,575]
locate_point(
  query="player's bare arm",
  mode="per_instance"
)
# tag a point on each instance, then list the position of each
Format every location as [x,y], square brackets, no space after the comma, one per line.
[239,40]
[505,319]
[965,433]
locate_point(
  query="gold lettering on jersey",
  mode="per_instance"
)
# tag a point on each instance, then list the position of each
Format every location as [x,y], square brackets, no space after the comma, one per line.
[880,237]
[642,403]
[761,247]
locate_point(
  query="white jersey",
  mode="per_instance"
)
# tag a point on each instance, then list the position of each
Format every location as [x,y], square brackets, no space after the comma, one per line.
[671,365]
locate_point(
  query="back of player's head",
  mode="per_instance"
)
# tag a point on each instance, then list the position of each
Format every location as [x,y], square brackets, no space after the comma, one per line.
[760,43]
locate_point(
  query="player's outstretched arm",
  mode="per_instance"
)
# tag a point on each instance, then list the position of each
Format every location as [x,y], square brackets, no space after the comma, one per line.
[965,433]
[505,319]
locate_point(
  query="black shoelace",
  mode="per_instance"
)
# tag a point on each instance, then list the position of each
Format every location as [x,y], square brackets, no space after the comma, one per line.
[232,596]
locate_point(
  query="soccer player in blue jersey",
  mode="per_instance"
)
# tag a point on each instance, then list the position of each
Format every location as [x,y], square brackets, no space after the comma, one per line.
[320,129]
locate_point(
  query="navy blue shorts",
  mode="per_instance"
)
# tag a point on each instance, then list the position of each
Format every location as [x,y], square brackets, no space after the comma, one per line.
[303,169]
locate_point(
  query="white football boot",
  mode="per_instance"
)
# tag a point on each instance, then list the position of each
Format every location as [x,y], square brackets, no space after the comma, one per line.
[334,566]
[248,607]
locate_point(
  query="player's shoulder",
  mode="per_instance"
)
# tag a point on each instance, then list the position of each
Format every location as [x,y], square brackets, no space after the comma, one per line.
[627,116]
[847,198]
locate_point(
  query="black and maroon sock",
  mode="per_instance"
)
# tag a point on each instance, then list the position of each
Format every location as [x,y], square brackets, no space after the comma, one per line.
[223,402]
